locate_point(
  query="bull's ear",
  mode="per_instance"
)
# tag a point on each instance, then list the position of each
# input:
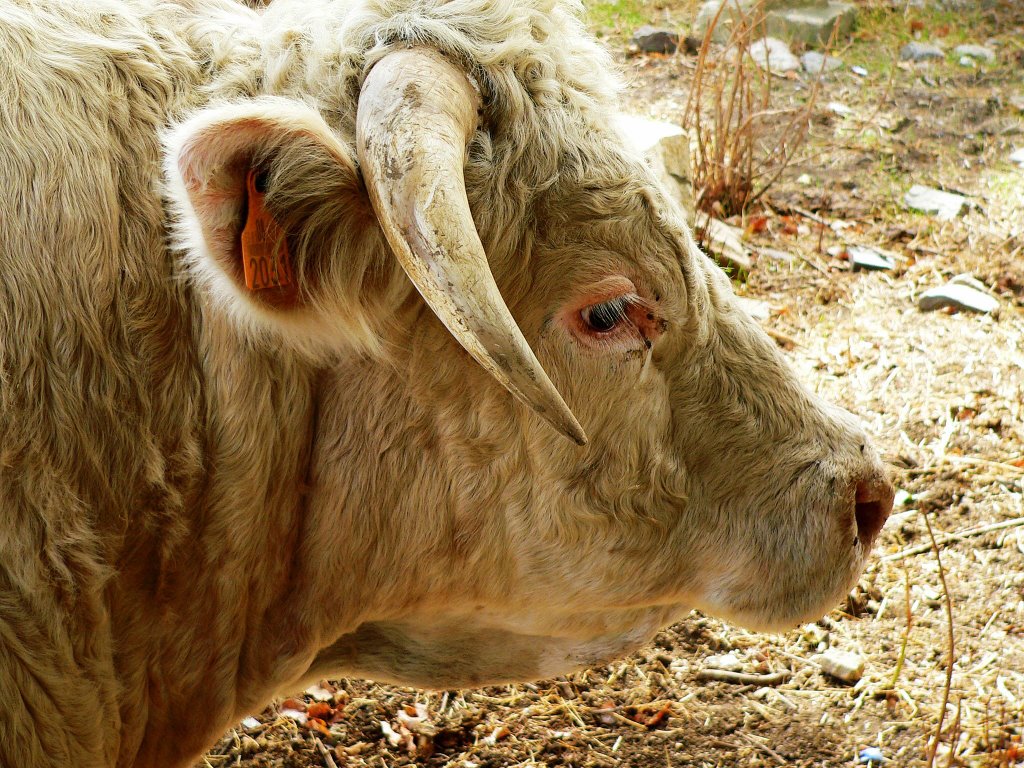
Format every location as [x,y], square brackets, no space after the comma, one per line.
[269,205]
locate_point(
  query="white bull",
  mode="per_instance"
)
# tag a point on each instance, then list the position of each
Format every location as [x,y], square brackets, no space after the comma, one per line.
[240,451]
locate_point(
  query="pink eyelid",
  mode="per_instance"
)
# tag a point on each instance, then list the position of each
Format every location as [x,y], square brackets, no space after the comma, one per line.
[642,322]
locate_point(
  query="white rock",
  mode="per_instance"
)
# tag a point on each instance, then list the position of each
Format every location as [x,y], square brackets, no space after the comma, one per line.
[1018,157]
[979,52]
[967,61]
[958,296]
[815,63]
[842,665]
[666,147]
[837,108]
[862,258]
[250,723]
[759,310]
[943,205]
[730,662]
[774,55]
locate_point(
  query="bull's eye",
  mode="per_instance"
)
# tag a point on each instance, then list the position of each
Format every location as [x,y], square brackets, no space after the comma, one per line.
[604,317]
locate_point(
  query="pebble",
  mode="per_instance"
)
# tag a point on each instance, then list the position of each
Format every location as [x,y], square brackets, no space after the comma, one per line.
[730,662]
[967,61]
[816,63]
[779,58]
[862,258]
[859,71]
[656,40]
[837,108]
[842,665]
[870,756]
[921,52]
[944,205]
[1018,157]
[962,293]
[250,723]
[979,52]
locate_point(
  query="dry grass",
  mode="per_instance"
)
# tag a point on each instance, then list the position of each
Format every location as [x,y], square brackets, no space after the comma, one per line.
[742,141]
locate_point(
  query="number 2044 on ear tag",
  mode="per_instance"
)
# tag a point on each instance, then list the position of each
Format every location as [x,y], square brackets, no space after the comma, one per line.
[265,258]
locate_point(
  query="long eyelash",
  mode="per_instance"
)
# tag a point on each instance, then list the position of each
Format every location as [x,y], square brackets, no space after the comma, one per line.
[614,310]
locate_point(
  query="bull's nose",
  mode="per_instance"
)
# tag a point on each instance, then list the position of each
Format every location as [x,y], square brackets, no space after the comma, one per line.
[872,505]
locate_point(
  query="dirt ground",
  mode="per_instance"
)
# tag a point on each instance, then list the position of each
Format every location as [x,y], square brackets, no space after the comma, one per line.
[940,392]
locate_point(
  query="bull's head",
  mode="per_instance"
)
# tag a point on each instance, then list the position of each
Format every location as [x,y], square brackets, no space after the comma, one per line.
[711,479]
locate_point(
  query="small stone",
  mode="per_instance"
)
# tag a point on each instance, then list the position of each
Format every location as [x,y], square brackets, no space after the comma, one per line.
[902,498]
[837,108]
[870,756]
[979,52]
[774,55]
[654,40]
[859,71]
[842,665]
[967,61]
[943,205]
[730,662]
[862,258]
[816,63]
[805,179]
[921,52]
[250,723]
[959,296]
[1017,156]
[1017,102]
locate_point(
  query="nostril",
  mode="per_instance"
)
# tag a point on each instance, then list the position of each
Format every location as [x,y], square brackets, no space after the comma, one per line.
[872,505]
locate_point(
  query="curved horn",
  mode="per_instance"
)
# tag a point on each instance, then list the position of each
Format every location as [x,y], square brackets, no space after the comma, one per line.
[417,113]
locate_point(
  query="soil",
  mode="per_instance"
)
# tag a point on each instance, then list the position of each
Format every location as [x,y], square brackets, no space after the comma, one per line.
[941,394]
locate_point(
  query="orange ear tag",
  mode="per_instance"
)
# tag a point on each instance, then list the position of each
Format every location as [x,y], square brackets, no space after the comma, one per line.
[265,258]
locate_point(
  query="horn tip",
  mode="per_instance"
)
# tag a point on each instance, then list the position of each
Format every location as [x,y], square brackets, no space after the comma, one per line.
[572,429]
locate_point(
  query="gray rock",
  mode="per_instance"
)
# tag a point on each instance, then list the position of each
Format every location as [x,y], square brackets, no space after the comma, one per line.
[774,55]
[816,63]
[962,293]
[654,40]
[805,21]
[915,51]
[944,5]
[666,147]
[842,665]
[979,52]
[1017,157]
[862,258]
[943,205]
